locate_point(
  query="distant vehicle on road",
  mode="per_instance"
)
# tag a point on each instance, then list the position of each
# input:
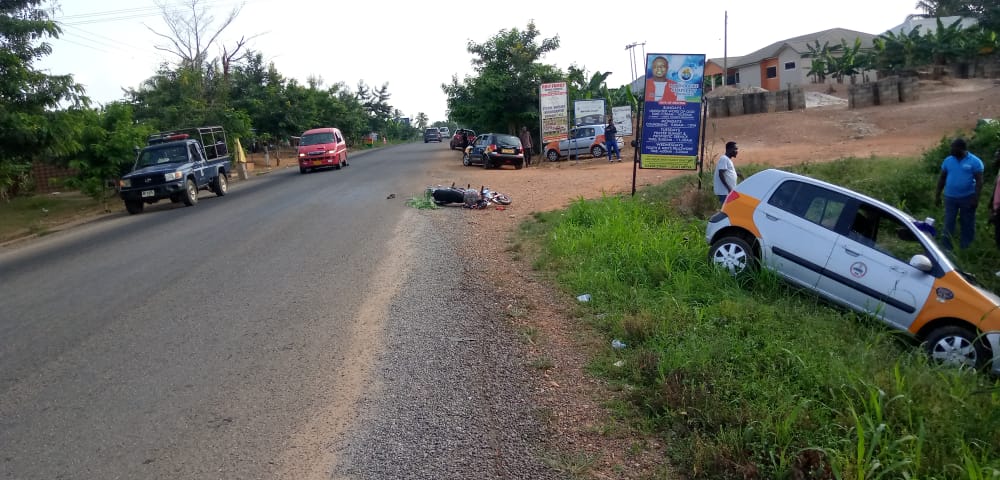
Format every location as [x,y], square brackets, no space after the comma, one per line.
[322,148]
[432,135]
[445,132]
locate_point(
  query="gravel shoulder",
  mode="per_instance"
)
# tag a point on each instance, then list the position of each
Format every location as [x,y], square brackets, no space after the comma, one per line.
[449,395]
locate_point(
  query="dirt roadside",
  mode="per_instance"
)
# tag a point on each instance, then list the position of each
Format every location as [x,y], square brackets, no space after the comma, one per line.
[575,402]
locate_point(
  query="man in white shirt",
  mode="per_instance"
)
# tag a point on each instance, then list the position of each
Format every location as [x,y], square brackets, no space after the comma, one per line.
[725,173]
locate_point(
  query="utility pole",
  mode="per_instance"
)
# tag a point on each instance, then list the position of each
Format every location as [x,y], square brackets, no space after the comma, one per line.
[635,67]
[725,53]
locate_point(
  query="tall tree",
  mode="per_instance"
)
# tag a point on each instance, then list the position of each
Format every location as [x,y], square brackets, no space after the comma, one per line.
[504,93]
[29,123]
[193,32]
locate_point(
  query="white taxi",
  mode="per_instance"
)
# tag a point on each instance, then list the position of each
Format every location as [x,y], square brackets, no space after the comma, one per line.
[859,253]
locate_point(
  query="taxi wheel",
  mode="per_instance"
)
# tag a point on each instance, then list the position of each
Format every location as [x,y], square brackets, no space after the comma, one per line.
[734,254]
[956,346]
[466,160]
[552,156]
[597,151]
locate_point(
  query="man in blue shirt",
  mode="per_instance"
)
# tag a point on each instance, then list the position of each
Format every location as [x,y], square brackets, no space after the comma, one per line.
[962,181]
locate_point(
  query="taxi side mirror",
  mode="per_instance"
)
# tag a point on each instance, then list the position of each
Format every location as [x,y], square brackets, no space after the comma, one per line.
[921,262]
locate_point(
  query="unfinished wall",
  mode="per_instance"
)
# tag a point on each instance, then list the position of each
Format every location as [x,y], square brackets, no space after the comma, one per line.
[887,91]
[796,98]
[718,107]
[735,105]
[909,89]
[861,95]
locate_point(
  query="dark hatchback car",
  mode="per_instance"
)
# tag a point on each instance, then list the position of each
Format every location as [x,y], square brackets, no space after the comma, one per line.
[432,135]
[492,150]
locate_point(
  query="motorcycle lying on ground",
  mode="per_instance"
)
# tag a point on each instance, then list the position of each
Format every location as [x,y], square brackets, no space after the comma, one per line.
[468,196]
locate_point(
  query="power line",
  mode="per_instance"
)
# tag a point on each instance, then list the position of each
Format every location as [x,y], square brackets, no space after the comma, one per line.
[136,13]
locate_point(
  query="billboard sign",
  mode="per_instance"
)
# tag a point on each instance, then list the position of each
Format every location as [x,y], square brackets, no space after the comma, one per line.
[552,99]
[622,116]
[671,116]
[589,112]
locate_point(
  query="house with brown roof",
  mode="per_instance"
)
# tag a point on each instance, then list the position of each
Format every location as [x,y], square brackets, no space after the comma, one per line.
[781,63]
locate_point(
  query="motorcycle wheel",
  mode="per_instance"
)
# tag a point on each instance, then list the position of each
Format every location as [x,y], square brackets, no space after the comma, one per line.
[501,198]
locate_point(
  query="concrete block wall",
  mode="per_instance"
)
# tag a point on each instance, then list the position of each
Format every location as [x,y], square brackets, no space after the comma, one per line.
[735,105]
[861,95]
[781,101]
[796,98]
[750,104]
[887,91]
[909,90]
[718,107]
[770,101]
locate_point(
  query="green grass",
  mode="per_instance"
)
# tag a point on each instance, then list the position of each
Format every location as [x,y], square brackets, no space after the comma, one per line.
[750,378]
[38,214]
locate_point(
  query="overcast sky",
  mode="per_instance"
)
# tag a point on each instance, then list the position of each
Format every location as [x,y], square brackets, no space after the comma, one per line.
[416,46]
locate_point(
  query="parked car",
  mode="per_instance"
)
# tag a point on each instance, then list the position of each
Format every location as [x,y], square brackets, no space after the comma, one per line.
[445,132]
[322,148]
[456,140]
[491,150]
[176,165]
[583,140]
[432,135]
[859,253]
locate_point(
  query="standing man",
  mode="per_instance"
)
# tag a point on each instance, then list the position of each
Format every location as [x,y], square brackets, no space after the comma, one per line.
[962,181]
[725,176]
[526,142]
[611,140]
[995,204]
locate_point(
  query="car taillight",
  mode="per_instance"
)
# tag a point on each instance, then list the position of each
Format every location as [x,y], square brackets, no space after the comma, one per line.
[732,197]
[493,147]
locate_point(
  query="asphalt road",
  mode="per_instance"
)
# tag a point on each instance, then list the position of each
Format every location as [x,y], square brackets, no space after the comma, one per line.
[232,339]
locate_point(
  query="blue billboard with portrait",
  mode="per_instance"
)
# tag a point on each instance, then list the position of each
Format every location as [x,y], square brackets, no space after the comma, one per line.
[671,117]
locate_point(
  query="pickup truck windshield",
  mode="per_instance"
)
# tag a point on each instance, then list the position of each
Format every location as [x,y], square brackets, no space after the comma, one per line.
[161,155]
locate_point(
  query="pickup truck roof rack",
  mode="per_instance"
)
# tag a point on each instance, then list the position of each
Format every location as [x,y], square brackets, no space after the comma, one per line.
[213,139]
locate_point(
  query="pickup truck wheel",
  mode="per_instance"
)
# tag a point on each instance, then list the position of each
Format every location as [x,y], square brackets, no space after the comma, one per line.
[133,206]
[221,185]
[552,156]
[486,162]
[190,193]
[303,171]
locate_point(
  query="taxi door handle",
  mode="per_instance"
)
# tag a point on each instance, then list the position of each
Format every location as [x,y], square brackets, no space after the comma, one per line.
[771,217]
[851,252]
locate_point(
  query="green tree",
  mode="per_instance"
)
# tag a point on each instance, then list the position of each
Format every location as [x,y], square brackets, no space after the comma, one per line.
[503,94]
[822,59]
[421,120]
[107,138]
[582,87]
[30,126]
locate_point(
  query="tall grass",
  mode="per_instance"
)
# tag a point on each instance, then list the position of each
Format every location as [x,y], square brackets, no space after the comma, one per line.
[750,378]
